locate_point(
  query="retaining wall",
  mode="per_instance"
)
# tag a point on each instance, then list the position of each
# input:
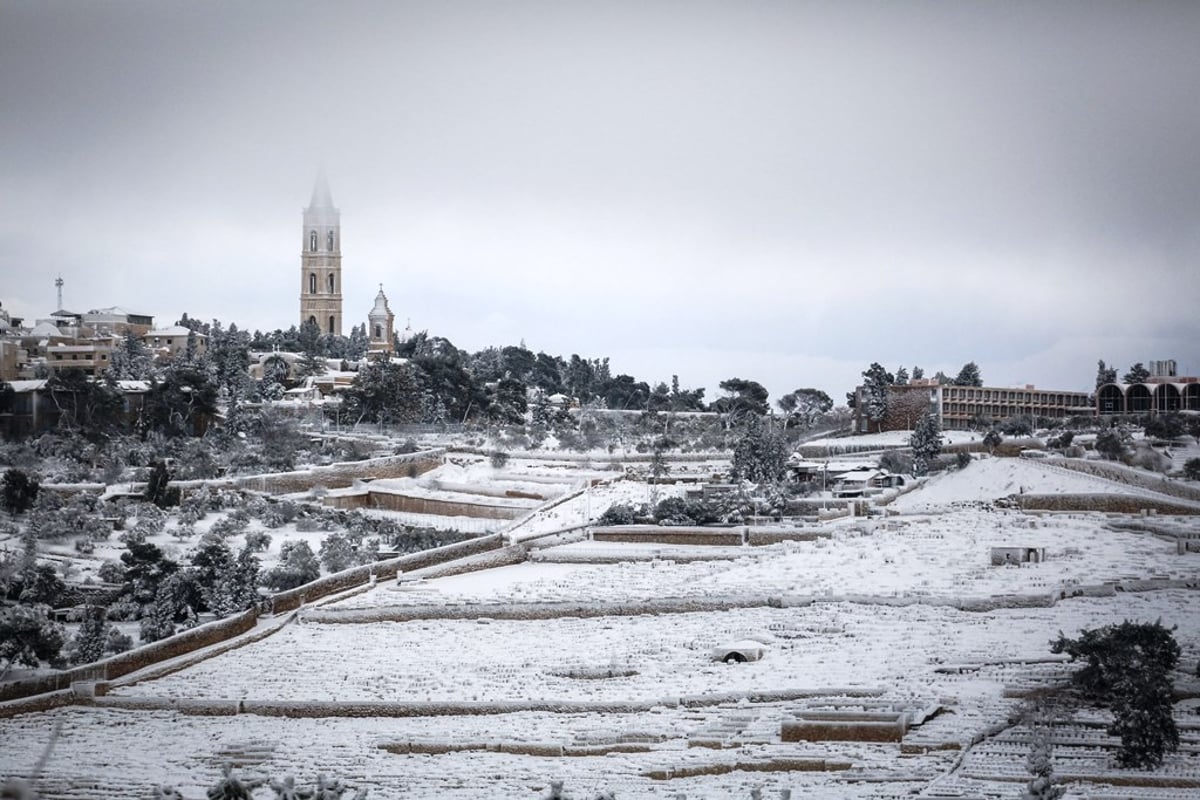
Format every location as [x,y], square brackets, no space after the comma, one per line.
[342,474]
[1106,503]
[133,660]
[670,534]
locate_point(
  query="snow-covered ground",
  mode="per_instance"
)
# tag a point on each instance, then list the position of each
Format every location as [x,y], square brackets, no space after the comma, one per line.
[490,704]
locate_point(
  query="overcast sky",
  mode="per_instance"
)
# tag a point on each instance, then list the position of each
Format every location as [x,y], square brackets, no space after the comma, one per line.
[778,191]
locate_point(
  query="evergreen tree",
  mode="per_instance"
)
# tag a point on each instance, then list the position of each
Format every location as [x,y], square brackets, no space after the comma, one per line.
[1105,374]
[918,374]
[27,637]
[803,407]
[131,360]
[876,381]
[926,442]
[1129,668]
[969,375]
[760,455]
[742,397]
[20,491]
[297,566]
[901,376]
[89,642]
[1137,374]
[383,392]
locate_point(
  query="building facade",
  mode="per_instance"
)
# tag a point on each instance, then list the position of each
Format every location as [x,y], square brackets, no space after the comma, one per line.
[963,407]
[1162,392]
[321,262]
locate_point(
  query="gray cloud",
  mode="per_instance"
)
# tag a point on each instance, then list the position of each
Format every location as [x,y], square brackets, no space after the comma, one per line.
[785,191]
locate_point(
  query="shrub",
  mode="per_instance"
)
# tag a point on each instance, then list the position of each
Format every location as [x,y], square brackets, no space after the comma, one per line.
[1191,469]
[619,514]
[20,490]
[298,565]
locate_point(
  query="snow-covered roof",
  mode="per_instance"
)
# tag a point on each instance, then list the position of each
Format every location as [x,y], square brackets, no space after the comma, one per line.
[174,330]
[28,386]
[862,475]
[45,329]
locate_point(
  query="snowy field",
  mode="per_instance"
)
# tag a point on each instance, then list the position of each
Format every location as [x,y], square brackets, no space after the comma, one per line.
[493,705]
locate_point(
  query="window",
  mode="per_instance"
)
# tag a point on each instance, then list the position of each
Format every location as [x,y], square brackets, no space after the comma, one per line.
[312,320]
[378,331]
[331,324]
[330,282]
[329,240]
[312,241]
[312,283]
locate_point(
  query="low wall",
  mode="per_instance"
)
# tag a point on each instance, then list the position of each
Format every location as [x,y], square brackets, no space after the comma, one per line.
[343,474]
[224,629]
[760,537]
[135,659]
[357,576]
[1106,503]
[395,501]
[836,726]
[670,534]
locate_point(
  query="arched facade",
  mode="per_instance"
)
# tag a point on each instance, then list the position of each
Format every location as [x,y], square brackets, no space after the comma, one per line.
[1191,397]
[1117,399]
[321,261]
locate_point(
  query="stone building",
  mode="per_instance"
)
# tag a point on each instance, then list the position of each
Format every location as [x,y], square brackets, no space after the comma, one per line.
[381,326]
[321,261]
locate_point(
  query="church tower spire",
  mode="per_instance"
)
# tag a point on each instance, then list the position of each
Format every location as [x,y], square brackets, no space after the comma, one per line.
[321,261]
[381,326]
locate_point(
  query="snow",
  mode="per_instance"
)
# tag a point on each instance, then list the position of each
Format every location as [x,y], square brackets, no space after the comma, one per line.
[483,693]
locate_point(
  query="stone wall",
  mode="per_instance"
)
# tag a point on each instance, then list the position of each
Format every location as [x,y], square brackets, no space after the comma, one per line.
[343,474]
[670,534]
[844,726]
[1107,503]
[394,501]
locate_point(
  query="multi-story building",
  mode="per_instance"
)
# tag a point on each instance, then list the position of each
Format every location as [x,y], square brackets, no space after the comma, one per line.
[962,407]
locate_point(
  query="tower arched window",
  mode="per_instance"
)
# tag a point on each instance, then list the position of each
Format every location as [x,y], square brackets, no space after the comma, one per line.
[312,320]
[331,324]
[329,240]
[330,282]
[378,331]
[312,283]
[312,241]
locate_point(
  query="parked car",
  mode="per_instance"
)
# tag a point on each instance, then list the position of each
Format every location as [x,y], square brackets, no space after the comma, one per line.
[740,651]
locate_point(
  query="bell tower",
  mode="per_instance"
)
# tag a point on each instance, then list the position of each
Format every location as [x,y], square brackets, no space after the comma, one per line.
[321,261]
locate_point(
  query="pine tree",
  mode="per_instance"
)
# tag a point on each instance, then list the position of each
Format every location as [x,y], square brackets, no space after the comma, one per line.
[969,375]
[1129,668]
[89,642]
[876,381]
[1137,374]
[1105,374]
[926,442]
